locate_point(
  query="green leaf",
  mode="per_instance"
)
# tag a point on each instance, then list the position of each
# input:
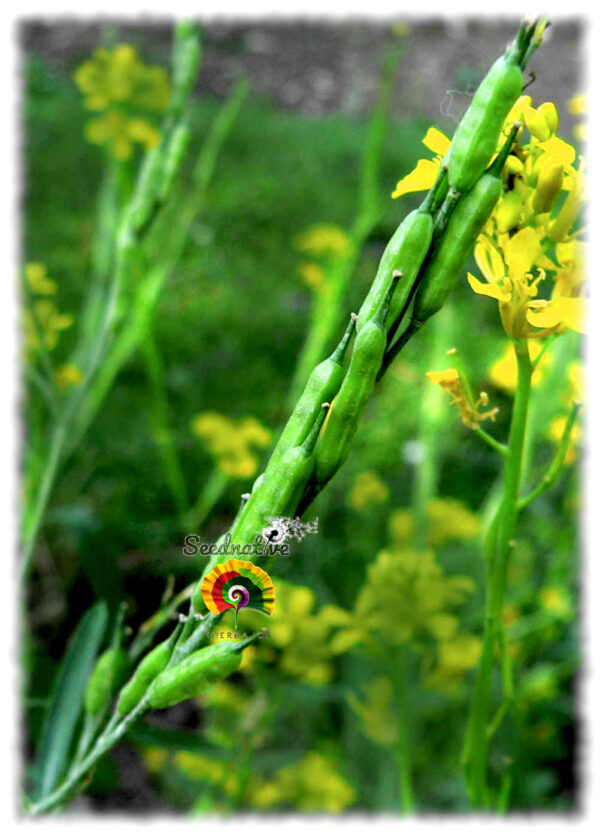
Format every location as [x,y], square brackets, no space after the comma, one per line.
[67,698]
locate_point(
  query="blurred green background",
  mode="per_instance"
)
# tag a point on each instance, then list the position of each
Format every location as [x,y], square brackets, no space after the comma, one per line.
[228,328]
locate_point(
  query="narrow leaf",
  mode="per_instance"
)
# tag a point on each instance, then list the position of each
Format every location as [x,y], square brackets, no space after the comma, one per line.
[67,698]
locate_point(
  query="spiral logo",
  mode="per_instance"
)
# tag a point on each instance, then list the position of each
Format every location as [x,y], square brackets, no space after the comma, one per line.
[238,584]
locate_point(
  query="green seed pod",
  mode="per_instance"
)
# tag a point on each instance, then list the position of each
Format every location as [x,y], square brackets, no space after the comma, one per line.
[548,186]
[322,386]
[335,440]
[405,252]
[285,481]
[176,149]
[477,135]
[107,675]
[463,229]
[196,673]
[148,669]
[186,60]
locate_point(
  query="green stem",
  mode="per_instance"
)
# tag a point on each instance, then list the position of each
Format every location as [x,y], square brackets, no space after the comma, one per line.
[502,541]
[34,519]
[407,804]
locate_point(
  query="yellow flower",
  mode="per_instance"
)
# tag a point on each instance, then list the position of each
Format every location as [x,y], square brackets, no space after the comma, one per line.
[503,372]
[508,270]
[455,657]
[450,519]
[367,489]
[405,597]
[154,758]
[68,376]
[118,76]
[470,415]
[577,105]
[376,714]
[324,239]
[555,432]
[312,784]
[313,276]
[557,602]
[44,319]
[230,442]
[38,281]
[120,133]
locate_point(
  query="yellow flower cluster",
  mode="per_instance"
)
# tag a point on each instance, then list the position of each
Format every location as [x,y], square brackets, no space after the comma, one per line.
[312,784]
[230,442]
[117,82]
[42,322]
[406,597]
[367,489]
[534,220]
[544,192]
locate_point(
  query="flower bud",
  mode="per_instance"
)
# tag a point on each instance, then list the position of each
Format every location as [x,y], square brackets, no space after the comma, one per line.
[549,184]
[536,124]
[550,113]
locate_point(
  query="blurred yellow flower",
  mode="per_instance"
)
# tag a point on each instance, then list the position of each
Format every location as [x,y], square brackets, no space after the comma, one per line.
[324,239]
[118,76]
[313,276]
[557,602]
[367,489]
[454,657]
[450,519]
[577,106]
[38,281]
[503,373]
[118,83]
[230,441]
[376,713]
[68,376]
[312,784]
[555,433]
[154,758]
[44,322]
[406,596]
[120,133]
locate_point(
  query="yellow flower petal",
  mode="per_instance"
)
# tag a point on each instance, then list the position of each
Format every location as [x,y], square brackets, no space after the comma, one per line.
[436,141]
[489,261]
[420,178]
[569,312]
[521,252]
[491,290]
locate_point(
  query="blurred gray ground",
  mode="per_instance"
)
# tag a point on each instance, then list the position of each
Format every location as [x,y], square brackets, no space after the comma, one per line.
[318,67]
